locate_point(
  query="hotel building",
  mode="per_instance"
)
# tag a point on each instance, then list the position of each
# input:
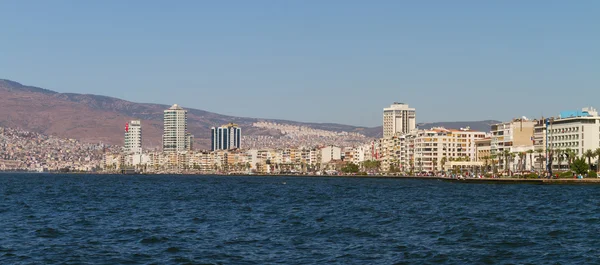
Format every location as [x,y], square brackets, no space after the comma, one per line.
[575,130]
[398,119]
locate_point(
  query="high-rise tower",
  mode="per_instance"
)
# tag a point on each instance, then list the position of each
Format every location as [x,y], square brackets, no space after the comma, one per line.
[175,137]
[398,118]
[133,137]
[226,137]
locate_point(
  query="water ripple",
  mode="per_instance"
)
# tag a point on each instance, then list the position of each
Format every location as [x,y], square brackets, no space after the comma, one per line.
[89,219]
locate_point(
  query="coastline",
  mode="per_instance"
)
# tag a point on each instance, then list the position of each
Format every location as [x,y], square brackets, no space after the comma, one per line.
[504,181]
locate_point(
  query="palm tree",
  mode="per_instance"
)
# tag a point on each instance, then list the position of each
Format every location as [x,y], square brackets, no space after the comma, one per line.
[557,153]
[597,153]
[522,157]
[589,154]
[486,158]
[530,152]
[494,162]
[539,156]
[506,154]
[511,159]
[443,162]
[570,156]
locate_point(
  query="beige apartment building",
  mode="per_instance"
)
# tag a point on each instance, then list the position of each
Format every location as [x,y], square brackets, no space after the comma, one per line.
[516,136]
[435,147]
[395,151]
[483,149]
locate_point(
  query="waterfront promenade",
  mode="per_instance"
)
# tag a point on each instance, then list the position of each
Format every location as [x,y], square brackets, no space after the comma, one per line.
[539,181]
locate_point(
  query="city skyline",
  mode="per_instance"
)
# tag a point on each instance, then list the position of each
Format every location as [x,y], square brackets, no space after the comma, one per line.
[441,58]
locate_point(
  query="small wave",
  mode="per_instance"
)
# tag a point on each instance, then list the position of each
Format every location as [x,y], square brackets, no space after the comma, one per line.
[154,240]
[173,250]
[48,232]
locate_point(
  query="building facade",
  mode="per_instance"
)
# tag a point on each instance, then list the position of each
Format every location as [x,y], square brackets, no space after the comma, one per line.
[399,118]
[133,137]
[226,137]
[435,147]
[573,131]
[175,136]
[513,137]
[330,153]
[483,150]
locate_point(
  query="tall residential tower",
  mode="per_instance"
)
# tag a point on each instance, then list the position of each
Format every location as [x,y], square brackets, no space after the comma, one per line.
[226,137]
[175,136]
[398,118]
[133,137]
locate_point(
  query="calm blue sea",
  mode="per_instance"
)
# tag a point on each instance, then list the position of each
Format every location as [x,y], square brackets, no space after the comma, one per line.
[101,219]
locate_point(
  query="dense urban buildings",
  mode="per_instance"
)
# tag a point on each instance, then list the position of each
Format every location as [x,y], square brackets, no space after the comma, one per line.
[175,135]
[226,137]
[24,150]
[512,147]
[133,137]
[398,118]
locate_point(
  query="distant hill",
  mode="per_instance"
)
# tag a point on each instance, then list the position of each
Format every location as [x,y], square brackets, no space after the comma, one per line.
[101,118]
[483,126]
[95,118]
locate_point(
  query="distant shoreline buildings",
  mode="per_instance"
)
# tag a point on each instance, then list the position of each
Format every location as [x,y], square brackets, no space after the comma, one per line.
[516,146]
[507,147]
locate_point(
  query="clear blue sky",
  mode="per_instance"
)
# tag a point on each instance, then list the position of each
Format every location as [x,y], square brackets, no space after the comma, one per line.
[319,61]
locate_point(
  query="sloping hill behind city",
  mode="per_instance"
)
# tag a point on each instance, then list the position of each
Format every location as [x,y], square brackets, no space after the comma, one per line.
[95,118]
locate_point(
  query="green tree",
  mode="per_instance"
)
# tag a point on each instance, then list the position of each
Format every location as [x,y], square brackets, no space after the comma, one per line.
[494,163]
[589,154]
[579,166]
[443,162]
[597,153]
[486,161]
[394,168]
[350,168]
[372,164]
[558,154]
[570,154]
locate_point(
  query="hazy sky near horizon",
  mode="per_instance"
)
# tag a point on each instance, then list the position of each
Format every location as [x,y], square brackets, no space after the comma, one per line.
[338,61]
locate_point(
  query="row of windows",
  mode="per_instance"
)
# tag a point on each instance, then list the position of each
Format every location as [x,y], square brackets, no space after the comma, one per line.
[566,130]
[568,144]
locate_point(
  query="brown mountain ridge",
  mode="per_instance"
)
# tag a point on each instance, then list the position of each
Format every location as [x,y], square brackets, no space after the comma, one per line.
[94,118]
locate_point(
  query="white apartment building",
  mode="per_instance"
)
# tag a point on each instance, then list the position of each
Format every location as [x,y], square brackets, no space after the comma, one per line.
[330,153]
[133,138]
[433,146]
[398,119]
[575,130]
[175,137]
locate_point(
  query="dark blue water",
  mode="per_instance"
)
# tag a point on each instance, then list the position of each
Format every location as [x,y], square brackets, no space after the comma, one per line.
[87,219]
